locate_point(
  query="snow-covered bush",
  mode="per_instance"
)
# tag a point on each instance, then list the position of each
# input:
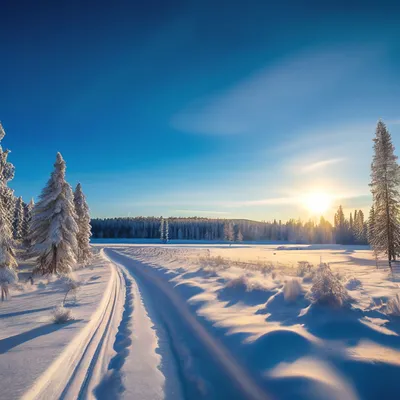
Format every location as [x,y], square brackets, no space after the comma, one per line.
[303,268]
[72,286]
[353,284]
[393,306]
[61,315]
[292,290]
[327,289]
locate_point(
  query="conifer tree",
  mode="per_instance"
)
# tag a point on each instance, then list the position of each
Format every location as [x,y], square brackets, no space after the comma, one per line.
[166,231]
[18,219]
[28,209]
[83,221]
[7,170]
[229,233]
[162,222]
[385,181]
[8,264]
[53,226]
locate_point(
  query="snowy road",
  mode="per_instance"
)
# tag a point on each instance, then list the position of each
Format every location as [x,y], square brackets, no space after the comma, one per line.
[193,363]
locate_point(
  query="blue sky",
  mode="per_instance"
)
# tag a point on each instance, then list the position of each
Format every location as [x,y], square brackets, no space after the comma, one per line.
[213,108]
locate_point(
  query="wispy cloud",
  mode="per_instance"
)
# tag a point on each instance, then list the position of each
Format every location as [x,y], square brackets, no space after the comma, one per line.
[201,212]
[320,164]
[272,93]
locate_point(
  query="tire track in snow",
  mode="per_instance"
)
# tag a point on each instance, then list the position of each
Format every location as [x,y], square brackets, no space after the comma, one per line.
[198,352]
[111,386]
[72,372]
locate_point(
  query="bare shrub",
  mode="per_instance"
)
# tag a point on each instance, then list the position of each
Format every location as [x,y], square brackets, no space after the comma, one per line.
[327,289]
[61,315]
[303,268]
[72,286]
[393,306]
[292,290]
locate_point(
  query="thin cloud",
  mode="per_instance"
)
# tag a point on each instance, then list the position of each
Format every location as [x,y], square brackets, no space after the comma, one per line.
[198,212]
[269,94]
[321,164]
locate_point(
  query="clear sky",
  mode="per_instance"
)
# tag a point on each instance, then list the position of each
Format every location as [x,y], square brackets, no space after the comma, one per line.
[210,108]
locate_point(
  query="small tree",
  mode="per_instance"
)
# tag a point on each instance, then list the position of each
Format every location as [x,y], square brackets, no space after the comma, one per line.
[385,182]
[54,228]
[83,222]
[18,219]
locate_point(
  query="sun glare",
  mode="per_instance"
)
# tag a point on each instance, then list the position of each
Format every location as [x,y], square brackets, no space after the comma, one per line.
[317,203]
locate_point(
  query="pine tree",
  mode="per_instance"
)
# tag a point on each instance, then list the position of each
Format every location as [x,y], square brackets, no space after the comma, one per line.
[385,181]
[8,264]
[162,223]
[166,231]
[28,209]
[7,170]
[229,234]
[18,219]
[53,227]
[83,221]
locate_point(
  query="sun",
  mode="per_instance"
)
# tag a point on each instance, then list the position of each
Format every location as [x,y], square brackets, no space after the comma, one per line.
[317,202]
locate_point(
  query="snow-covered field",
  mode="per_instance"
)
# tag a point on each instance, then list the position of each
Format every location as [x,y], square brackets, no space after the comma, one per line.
[191,321]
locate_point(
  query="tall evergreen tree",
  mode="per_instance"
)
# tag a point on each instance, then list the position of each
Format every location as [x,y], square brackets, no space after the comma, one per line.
[53,227]
[162,223]
[7,170]
[385,181]
[18,219]
[28,209]
[83,221]
[229,233]
[8,264]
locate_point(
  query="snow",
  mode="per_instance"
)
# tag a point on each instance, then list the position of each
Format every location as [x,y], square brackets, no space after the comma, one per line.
[286,349]
[208,321]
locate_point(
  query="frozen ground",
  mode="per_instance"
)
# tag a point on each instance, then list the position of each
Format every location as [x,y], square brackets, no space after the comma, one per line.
[208,321]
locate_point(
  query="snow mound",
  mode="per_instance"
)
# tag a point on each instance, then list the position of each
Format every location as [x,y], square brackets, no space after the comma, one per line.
[353,284]
[292,290]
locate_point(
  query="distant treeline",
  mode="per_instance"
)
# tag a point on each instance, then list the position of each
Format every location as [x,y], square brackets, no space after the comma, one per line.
[195,228]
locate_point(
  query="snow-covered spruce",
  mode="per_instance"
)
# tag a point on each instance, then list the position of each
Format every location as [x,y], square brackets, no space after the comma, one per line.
[84,229]
[384,235]
[28,210]
[7,171]
[18,219]
[327,289]
[53,227]
[8,264]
